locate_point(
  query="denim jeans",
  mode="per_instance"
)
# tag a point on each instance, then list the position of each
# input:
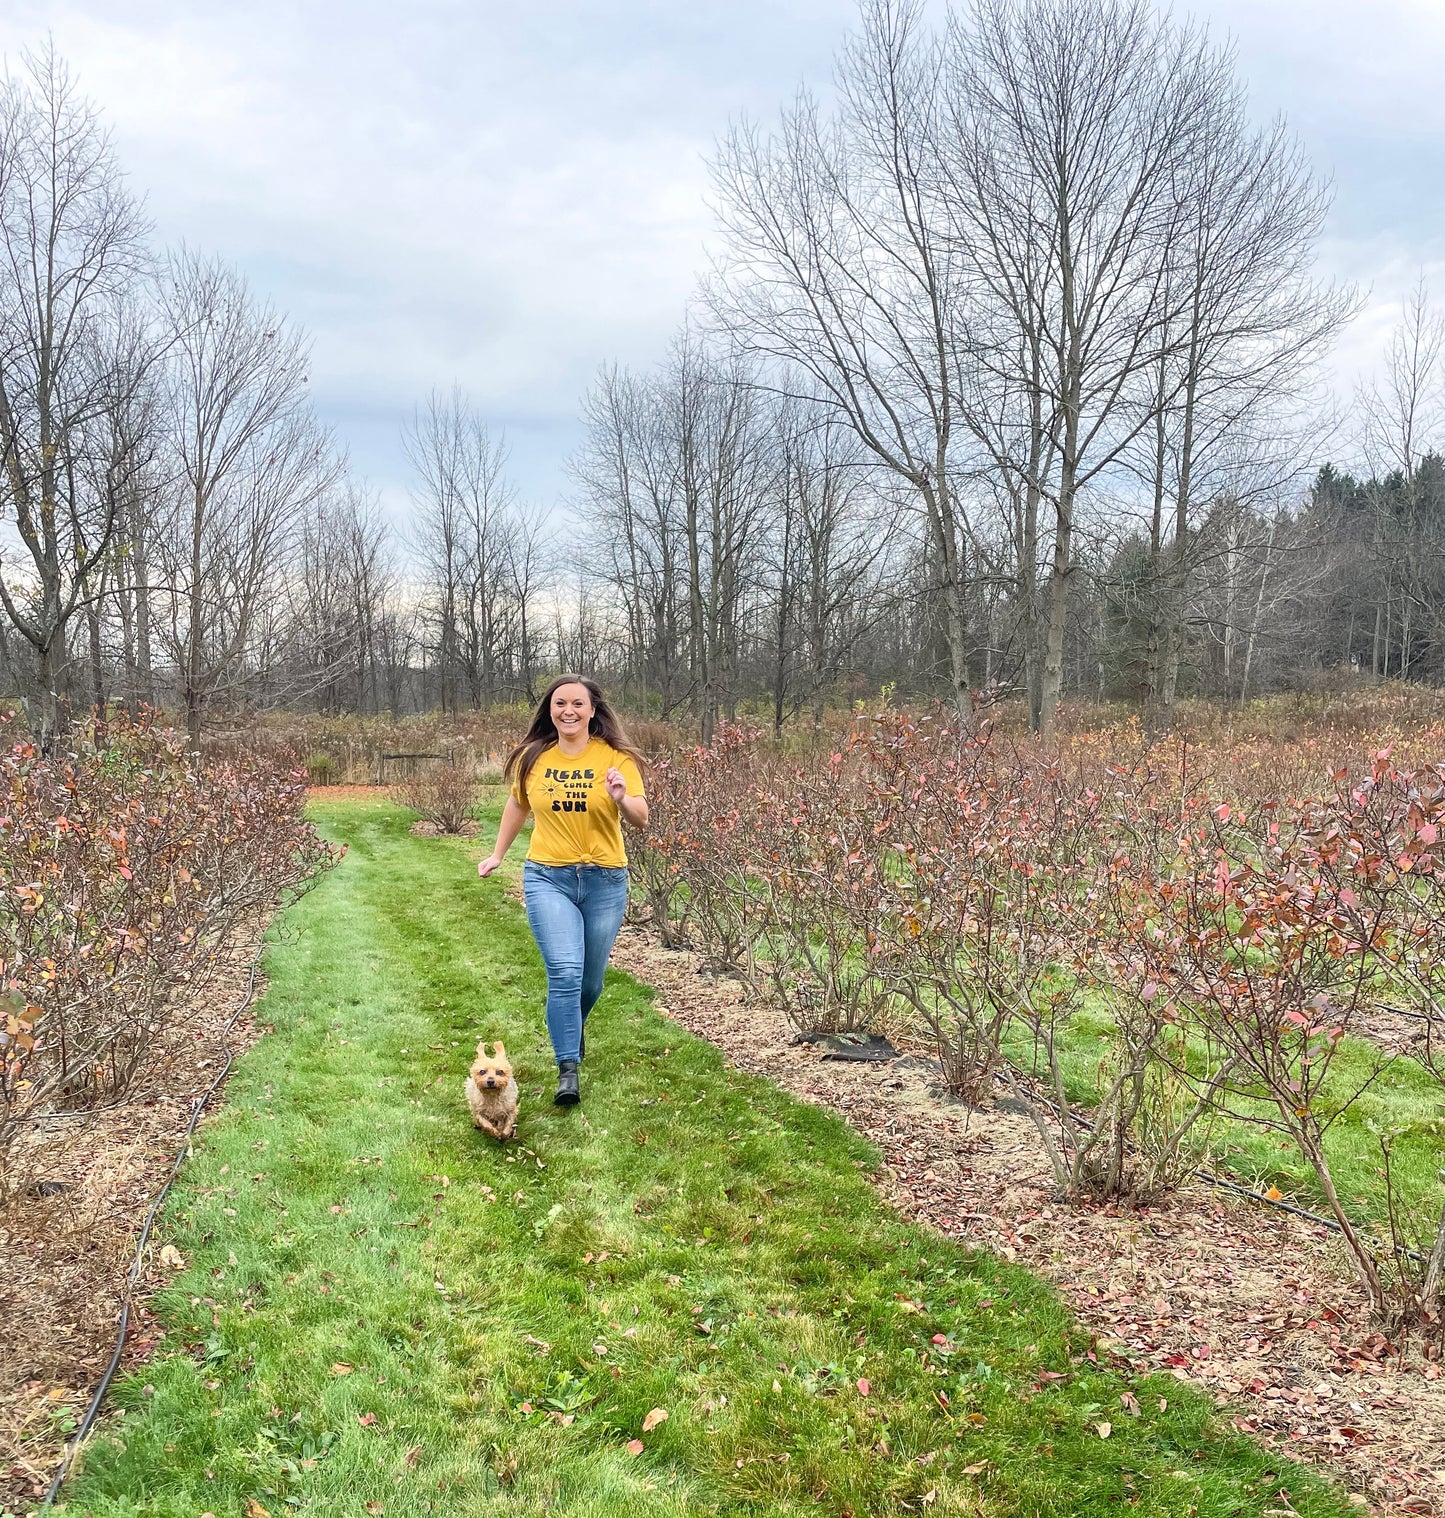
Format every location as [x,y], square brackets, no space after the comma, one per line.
[575,911]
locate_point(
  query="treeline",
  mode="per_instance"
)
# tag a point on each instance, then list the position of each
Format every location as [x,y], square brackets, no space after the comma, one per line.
[176,525]
[1010,385]
[1006,383]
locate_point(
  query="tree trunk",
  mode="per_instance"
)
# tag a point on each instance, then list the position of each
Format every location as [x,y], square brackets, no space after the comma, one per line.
[97,664]
[1052,689]
[955,619]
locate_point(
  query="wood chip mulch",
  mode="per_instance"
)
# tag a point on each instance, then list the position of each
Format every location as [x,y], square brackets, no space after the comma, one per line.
[67,1240]
[1248,1304]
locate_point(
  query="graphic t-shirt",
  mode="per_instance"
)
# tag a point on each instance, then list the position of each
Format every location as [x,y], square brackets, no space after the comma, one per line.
[574,820]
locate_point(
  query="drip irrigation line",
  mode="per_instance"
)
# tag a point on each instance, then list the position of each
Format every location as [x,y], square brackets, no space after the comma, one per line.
[1419,1017]
[198,1106]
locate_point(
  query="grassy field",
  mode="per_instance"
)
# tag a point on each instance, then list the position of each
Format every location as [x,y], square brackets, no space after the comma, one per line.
[1402,1099]
[382,1312]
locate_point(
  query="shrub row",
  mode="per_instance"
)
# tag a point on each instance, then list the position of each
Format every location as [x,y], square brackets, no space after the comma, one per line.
[993,895]
[126,872]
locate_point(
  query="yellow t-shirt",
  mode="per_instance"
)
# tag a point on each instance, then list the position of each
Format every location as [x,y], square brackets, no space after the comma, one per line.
[574,820]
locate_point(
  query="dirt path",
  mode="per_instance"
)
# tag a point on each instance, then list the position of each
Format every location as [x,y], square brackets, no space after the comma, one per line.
[1253,1305]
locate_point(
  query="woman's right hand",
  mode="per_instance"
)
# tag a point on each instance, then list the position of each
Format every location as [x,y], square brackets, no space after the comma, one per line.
[487,865]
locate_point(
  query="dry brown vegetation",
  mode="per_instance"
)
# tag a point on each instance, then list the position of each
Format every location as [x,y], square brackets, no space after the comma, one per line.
[1233,912]
[134,886]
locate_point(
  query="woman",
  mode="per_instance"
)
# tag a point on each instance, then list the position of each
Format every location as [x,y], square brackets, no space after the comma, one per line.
[578,775]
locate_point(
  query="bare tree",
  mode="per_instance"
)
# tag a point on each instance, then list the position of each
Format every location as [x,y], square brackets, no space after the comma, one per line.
[723,461]
[337,599]
[248,459]
[1073,126]
[479,550]
[628,477]
[73,355]
[1248,339]
[838,265]
[1402,418]
[833,536]
[531,567]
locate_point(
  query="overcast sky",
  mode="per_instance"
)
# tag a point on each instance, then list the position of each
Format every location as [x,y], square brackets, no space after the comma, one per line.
[510,195]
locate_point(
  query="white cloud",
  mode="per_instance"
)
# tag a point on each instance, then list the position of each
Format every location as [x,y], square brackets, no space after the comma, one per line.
[509,196]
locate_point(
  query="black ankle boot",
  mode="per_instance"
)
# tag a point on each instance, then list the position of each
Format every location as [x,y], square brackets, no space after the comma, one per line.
[569,1091]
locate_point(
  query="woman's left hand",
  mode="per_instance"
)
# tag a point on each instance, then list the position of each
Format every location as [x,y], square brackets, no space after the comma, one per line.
[616,785]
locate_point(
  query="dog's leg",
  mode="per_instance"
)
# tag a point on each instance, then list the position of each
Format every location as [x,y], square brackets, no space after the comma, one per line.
[487,1126]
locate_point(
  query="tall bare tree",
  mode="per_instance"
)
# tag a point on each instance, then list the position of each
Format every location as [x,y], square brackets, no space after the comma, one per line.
[1402,416]
[480,552]
[1072,128]
[73,355]
[838,265]
[627,476]
[248,458]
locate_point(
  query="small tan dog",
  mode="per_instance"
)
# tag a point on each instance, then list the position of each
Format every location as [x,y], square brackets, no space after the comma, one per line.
[492,1093]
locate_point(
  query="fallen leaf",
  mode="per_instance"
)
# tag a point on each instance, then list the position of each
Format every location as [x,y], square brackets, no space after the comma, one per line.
[1275,1194]
[341,1368]
[374,1507]
[656,1416]
[976,1470]
[412,1456]
[635,1446]
[172,1258]
[366,1419]
[1105,1429]
[863,1387]
[255,1510]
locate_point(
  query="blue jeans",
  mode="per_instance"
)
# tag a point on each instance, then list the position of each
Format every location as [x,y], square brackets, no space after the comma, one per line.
[575,911]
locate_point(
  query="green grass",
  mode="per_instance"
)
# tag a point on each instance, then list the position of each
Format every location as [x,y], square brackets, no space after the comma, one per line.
[691,1239]
[1404,1099]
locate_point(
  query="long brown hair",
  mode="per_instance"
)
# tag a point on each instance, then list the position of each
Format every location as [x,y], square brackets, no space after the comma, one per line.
[542,734]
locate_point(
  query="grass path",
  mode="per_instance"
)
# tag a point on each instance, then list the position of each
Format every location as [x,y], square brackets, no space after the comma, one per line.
[382,1312]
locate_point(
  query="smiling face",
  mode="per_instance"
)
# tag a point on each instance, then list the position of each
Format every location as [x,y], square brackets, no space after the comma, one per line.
[571,710]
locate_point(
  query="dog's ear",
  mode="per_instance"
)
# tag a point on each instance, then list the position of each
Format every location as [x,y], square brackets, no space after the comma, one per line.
[501,1053]
[482,1049]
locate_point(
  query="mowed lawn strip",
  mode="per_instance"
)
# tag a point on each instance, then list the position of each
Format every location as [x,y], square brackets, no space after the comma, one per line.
[382,1311]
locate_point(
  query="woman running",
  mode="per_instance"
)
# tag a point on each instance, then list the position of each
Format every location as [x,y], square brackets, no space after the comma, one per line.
[580,778]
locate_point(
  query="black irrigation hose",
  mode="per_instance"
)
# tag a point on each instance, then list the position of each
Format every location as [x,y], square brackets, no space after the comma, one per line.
[197,1108]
